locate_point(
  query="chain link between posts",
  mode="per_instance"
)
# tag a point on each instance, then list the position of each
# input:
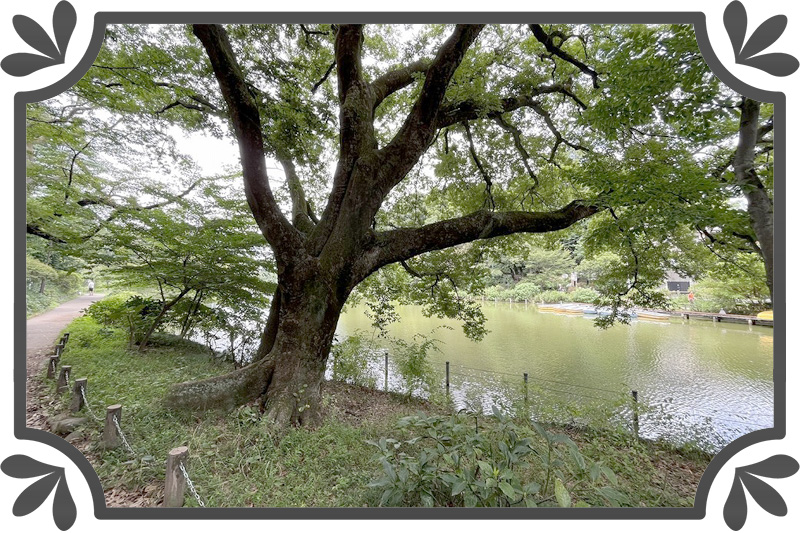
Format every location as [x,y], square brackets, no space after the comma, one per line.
[190,484]
[86,404]
[121,434]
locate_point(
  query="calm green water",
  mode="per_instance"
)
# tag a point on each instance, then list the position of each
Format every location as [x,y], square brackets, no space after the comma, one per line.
[704,381]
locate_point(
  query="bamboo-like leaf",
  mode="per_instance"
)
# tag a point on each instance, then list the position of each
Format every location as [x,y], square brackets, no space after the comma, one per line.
[735,510]
[735,19]
[35,495]
[764,36]
[764,495]
[33,34]
[64,20]
[23,64]
[777,466]
[22,466]
[64,510]
[776,64]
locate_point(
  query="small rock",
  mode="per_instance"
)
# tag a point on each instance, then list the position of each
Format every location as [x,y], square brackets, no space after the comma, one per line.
[66,425]
[74,437]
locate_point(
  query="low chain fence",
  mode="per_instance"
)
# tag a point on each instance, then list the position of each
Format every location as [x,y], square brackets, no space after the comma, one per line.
[176,481]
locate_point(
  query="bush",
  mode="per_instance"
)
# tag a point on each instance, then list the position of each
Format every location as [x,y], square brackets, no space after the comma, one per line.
[584,295]
[499,292]
[350,362]
[451,462]
[552,297]
[525,291]
[127,311]
[411,362]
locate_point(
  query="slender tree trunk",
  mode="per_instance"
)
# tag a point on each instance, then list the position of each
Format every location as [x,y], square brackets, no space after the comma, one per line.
[159,318]
[759,204]
[41,286]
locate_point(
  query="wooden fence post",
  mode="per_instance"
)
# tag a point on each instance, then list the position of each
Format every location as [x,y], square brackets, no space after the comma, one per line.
[175,485]
[63,379]
[525,378]
[635,395]
[78,390]
[386,370]
[447,375]
[51,366]
[59,349]
[65,338]
[111,437]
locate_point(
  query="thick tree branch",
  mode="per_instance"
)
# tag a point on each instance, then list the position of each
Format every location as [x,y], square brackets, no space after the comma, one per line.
[420,127]
[300,207]
[759,204]
[348,57]
[547,40]
[396,80]
[396,245]
[468,110]
[244,114]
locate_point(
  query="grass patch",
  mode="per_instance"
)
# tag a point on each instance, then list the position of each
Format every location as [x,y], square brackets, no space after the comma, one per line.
[237,460]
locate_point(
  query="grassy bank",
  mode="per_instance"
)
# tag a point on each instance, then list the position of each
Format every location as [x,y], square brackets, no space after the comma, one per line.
[237,460]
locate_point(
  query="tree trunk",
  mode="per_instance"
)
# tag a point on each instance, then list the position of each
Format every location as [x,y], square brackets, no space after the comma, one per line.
[289,377]
[759,204]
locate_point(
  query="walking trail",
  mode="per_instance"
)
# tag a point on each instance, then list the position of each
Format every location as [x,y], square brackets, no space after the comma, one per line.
[40,340]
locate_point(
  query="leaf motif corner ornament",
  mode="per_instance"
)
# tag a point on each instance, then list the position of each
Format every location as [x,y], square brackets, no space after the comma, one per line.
[54,53]
[50,478]
[777,64]
[777,466]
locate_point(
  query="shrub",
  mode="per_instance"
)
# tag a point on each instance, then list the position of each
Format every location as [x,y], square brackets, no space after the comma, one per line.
[452,462]
[128,311]
[525,290]
[552,297]
[584,295]
[411,362]
[499,292]
[350,361]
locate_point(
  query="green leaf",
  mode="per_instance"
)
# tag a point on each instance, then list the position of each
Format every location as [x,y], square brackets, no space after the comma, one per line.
[508,490]
[562,495]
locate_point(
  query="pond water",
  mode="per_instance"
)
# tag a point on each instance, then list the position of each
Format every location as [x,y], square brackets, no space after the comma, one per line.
[696,380]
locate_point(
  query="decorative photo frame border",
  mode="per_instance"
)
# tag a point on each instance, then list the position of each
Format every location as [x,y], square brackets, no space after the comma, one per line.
[18,63]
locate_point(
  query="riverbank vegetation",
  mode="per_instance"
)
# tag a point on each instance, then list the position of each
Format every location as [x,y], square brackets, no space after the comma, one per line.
[374,448]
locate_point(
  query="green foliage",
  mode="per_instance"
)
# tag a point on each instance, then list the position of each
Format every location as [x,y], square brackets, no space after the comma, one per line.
[46,287]
[584,295]
[128,311]
[350,359]
[525,290]
[412,364]
[552,297]
[452,461]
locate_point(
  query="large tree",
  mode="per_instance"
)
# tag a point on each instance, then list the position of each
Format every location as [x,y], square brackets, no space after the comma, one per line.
[423,145]
[320,262]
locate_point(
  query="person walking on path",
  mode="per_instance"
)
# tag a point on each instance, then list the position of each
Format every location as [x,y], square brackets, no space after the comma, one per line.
[91,288]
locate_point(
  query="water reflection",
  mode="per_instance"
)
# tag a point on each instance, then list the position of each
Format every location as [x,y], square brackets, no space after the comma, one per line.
[696,380]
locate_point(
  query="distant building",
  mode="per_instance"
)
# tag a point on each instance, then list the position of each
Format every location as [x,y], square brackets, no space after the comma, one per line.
[674,282]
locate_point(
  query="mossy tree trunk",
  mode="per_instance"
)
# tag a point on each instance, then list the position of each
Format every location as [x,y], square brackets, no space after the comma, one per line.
[321,260]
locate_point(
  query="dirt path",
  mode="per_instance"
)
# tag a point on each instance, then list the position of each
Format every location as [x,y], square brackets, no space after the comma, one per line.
[40,340]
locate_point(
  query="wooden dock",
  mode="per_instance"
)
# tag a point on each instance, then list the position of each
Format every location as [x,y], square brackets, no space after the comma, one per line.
[717,317]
